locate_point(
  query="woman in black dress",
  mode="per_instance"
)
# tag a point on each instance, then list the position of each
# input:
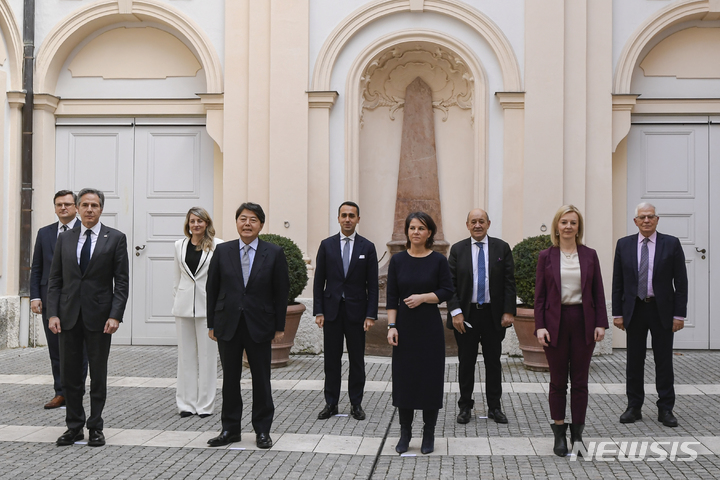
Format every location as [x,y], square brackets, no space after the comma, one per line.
[418,279]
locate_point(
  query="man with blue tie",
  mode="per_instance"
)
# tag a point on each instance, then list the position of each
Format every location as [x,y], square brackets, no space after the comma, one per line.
[649,293]
[87,293]
[66,211]
[247,295]
[483,306]
[345,305]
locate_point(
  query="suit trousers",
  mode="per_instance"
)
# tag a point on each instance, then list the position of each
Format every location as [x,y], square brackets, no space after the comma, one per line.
[259,356]
[197,366]
[482,333]
[645,317]
[73,343]
[571,355]
[354,335]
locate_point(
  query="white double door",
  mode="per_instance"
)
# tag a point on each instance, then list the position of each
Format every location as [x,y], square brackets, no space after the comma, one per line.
[151,173]
[674,164]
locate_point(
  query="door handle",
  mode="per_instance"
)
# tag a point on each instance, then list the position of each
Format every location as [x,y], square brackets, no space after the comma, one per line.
[137,250]
[700,250]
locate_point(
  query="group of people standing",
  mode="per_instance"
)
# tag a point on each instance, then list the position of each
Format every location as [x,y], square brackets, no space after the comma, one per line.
[235,293]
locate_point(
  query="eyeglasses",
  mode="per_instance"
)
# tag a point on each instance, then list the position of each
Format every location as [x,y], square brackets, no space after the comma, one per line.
[649,217]
[64,205]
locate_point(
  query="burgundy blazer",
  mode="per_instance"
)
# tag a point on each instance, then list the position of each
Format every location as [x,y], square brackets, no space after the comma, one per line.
[548,293]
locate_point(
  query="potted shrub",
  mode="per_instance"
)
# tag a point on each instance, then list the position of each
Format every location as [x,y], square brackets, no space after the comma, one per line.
[298,280]
[525,256]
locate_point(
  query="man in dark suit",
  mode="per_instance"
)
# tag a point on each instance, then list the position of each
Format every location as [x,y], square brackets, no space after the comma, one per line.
[482,307]
[649,292]
[345,304]
[87,292]
[247,295]
[66,211]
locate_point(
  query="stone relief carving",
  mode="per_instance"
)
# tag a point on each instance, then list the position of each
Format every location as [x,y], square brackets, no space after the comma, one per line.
[385,79]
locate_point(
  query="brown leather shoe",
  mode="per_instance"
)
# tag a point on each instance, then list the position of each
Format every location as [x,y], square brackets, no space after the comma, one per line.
[56,402]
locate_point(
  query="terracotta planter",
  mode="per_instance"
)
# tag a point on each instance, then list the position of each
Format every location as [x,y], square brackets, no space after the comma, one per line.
[533,353]
[281,349]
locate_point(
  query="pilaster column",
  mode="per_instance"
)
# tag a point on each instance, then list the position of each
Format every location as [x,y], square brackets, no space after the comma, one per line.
[513,104]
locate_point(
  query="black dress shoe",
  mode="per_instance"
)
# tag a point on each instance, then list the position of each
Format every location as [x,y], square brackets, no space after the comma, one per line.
[96,438]
[667,418]
[204,415]
[263,440]
[70,436]
[631,415]
[185,414]
[357,412]
[225,438]
[497,415]
[327,412]
[465,415]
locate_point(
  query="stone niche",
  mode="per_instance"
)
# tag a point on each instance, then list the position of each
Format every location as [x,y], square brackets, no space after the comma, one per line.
[383,85]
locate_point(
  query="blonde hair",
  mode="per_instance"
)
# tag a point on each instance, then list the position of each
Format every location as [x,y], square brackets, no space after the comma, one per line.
[206,243]
[555,235]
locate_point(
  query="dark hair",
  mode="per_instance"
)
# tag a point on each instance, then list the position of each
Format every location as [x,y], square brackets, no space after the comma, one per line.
[349,204]
[62,193]
[253,207]
[94,191]
[426,220]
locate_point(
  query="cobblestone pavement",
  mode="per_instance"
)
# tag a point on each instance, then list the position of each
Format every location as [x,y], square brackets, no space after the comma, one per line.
[147,439]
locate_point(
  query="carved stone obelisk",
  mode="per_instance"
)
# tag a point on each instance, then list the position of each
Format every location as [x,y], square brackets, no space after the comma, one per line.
[418,188]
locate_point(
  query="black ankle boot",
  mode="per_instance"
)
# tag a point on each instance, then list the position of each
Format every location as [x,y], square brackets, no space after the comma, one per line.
[428,440]
[405,436]
[576,430]
[560,446]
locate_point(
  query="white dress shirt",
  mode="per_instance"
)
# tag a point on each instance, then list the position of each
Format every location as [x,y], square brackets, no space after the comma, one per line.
[652,243]
[93,239]
[70,225]
[474,249]
[342,243]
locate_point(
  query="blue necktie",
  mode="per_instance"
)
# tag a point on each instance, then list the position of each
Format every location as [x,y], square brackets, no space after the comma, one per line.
[85,252]
[481,274]
[644,269]
[346,255]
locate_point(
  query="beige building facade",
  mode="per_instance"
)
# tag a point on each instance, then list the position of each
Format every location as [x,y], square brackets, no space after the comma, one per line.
[298,105]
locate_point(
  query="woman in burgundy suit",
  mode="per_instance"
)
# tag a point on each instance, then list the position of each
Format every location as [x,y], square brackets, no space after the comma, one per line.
[570,317]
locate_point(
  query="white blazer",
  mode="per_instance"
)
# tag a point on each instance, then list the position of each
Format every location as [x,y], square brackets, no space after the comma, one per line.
[189,290]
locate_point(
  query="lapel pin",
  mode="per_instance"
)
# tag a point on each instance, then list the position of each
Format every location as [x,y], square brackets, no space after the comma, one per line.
[105,236]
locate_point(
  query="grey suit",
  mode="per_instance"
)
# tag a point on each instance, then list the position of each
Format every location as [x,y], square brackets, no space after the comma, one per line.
[84,302]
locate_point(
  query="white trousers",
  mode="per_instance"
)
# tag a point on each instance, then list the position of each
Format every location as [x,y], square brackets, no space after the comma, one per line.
[197,366]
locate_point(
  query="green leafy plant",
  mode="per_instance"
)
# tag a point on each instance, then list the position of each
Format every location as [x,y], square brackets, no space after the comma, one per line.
[525,256]
[296,264]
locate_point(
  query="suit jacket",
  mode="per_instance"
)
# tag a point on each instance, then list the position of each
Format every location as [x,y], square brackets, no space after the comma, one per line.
[360,286]
[501,276]
[42,259]
[101,292]
[263,301]
[189,288]
[670,282]
[548,293]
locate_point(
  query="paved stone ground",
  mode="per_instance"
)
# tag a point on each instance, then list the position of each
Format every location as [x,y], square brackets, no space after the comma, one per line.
[147,439]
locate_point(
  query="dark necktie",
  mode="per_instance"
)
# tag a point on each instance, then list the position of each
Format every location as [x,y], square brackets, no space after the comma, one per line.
[346,255]
[481,274]
[85,252]
[245,263]
[643,272]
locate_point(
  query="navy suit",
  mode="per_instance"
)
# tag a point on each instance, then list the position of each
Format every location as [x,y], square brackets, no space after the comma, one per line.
[246,318]
[670,286]
[39,274]
[345,317]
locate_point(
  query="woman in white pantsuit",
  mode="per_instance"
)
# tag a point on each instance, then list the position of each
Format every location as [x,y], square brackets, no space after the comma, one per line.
[197,354]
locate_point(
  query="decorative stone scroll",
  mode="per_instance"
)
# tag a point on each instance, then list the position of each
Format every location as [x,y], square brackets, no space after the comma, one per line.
[385,79]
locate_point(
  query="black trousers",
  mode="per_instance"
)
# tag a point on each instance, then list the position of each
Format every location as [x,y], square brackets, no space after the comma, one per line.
[646,318]
[354,335]
[73,345]
[259,356]
[482,333]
